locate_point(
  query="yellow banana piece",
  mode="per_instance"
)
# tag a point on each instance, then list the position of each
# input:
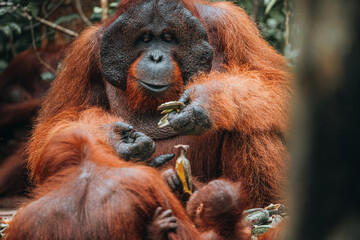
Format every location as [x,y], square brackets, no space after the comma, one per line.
[183,169]
[171,105]
[167,111]
[163,121]
[166,108]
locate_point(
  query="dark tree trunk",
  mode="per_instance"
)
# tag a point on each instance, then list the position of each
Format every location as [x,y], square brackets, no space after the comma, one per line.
[326,146]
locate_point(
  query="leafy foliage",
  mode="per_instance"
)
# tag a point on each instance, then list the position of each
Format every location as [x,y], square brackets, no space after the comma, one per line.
[14,30]
[96,16]
[270,17]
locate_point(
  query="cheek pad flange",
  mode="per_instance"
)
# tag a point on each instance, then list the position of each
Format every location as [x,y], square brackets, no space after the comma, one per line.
[193,52]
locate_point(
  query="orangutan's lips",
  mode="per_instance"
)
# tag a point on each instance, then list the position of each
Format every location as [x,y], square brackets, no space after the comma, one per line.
[154,88]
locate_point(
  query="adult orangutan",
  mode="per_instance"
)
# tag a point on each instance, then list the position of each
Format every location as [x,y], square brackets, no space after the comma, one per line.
[208,55]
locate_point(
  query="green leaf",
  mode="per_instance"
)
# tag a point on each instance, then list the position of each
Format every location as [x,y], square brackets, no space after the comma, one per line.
[95,17]
[112,11]
[113,5]
[269,6]
[15,27]
[97,9]
[278,35]
[67,18]
[4,10]
[3,65]
[47,76]
[277,15]
[6,30]
[272,23]
[34,8]
[51,5]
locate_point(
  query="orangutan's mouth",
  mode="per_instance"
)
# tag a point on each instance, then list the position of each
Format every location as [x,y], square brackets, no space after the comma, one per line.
[154,88]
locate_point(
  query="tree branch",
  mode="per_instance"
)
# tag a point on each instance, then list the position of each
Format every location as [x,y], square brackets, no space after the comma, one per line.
[52,25]
[11,42]
[81,13]
[105,9]
[51,69]
[255,9]
[47,15]
[287,22]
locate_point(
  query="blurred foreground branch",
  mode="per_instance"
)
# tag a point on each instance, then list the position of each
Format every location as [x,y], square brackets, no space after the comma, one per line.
[326,145]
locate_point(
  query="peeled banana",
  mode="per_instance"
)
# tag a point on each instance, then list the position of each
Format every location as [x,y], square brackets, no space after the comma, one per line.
[166,108]
[183,169]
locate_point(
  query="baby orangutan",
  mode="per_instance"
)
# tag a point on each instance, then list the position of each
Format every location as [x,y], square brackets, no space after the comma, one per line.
[215,209]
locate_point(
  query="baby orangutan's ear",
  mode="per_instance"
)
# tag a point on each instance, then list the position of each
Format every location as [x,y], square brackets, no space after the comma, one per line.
[199,209]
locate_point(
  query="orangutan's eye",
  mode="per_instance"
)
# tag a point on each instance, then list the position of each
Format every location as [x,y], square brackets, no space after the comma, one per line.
[167,37]
[146,37]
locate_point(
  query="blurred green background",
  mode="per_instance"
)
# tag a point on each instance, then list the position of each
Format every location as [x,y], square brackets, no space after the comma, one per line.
[272,16]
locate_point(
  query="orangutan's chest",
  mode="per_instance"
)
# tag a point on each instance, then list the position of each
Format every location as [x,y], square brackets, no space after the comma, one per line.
[148,125]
